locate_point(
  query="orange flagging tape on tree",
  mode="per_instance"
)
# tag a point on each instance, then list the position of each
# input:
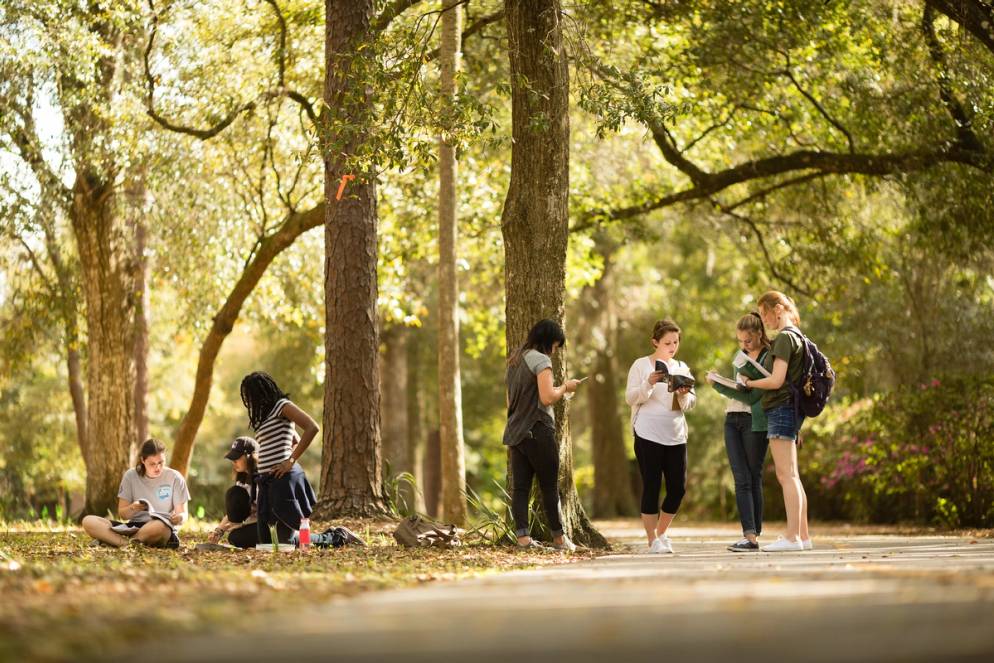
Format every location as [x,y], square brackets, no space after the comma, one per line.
[341,185]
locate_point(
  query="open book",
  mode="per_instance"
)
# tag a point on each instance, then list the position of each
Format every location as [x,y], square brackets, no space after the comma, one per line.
[741,359]
[722,380]
[142,517]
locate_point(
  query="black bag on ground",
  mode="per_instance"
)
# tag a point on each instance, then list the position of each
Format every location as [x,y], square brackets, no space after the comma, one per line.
[418,532]
[811,392]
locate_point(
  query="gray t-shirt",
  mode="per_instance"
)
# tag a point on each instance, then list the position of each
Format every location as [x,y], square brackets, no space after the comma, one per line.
[523,406]
[163,493]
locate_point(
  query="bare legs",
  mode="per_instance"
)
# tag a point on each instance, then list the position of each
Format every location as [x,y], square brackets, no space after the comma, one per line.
[656,526]
[794,498]
[154,533]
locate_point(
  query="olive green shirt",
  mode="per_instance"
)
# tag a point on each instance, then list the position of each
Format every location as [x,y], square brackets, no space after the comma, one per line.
[786,346]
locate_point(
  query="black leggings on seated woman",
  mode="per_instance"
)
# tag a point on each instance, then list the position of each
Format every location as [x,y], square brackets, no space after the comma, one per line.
[656,462]
[535,456]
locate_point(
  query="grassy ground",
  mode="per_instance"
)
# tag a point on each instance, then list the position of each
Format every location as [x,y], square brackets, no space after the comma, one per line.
[64,599]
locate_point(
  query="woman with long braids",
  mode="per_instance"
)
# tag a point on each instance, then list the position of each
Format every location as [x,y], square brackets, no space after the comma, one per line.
[284,496]
[240,506]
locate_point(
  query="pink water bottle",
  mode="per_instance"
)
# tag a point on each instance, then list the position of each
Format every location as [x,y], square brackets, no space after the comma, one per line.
[305,534]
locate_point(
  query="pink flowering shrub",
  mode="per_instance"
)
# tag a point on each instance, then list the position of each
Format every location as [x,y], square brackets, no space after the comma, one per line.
[922,454]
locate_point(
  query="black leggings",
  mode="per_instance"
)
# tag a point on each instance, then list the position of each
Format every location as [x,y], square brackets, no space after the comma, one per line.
[536,455]
[249,535]
[656,462]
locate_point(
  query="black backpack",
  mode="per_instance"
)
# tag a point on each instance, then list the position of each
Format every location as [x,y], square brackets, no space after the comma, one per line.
[811,392]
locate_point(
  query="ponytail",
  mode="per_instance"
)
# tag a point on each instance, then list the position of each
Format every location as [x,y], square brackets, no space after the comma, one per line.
[771,299]
[752,323]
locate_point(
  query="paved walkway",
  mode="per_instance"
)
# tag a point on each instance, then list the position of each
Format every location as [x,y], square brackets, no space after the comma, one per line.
[853,598]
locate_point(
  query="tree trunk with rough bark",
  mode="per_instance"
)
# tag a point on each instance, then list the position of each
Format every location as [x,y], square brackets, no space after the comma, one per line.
[449,387]
[535,218]
[107,278]
[612,480]
[398,455]
[416,425]
[433,474]
[351,475]
[141,298]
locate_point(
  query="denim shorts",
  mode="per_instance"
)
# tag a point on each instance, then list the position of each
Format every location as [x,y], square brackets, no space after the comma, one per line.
[782,423]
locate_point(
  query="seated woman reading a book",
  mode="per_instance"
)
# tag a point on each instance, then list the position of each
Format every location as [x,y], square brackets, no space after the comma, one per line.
[151,503]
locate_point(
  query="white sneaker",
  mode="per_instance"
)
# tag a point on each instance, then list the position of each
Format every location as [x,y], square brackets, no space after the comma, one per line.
[667,544]
[656,547]
[808,545]
[784,545]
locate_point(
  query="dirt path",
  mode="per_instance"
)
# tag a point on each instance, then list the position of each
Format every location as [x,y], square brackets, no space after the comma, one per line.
[853,598]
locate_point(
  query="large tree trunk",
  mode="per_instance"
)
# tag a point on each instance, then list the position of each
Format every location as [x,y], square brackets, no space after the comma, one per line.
[535,218]
[433,474]
[351,476]
[416,425]
[141,318]
[449,387]
[612,481]
[223,323]
[108,281]
[398,454]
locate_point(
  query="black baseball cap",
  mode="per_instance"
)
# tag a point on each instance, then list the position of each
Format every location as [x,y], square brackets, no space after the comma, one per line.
[240,447]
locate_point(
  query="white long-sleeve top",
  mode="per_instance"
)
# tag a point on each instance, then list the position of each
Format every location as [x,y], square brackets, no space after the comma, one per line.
[653,416]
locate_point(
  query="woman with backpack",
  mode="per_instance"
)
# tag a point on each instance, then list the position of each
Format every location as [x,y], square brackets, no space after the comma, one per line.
[660,430]
[530,434]
[745,430]
[785,362]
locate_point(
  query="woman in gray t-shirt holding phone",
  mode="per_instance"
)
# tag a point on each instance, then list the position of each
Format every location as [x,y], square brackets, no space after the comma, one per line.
[151,501]
[530,434]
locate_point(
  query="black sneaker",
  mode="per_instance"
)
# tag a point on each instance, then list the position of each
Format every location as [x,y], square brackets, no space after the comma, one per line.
[342,536]
[745,545]
[350,537]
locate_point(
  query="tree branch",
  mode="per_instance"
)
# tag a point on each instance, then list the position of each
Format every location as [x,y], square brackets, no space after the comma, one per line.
[822,163]
[788,72]
[223,323]
[477,26]
[977,16]
[762,193]
[224,122]
[389,13]
[24,137]
[770,263]
[964,125]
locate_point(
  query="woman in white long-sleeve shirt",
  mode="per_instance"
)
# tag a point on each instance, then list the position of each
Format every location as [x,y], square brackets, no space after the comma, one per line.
[660,430]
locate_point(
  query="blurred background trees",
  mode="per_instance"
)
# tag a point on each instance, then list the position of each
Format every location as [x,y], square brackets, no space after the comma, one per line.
[840,152]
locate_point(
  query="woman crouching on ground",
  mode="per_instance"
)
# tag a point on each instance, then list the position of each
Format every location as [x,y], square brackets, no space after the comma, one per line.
[240,506]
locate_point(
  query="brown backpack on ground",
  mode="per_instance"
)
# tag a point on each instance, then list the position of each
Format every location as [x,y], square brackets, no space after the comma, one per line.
[418,532]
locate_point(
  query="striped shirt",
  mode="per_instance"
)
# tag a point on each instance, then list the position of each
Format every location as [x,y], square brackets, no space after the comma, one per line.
[275,437]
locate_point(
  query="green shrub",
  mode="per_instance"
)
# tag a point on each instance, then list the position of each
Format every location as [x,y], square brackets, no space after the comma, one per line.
[922,454]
